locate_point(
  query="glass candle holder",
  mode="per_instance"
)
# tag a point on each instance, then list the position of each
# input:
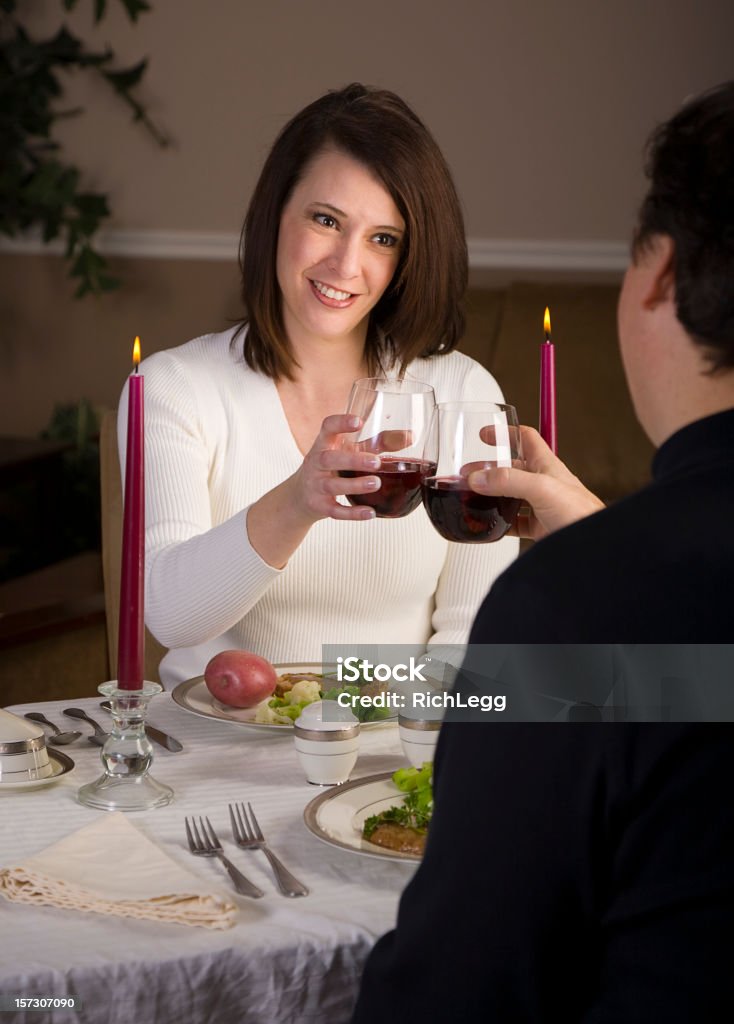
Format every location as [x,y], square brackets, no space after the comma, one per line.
[127,755]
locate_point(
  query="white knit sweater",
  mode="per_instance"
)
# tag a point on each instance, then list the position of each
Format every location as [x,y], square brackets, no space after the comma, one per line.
[217,439]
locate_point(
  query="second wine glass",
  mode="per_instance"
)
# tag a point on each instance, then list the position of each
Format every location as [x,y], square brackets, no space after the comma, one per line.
[395,415]
[466,436]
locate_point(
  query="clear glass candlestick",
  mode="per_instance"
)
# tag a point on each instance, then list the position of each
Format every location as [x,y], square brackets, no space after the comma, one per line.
[127,756]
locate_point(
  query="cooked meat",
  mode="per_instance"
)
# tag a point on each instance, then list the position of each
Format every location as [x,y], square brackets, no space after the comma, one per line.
[399,837]
[288,680]
[372,689]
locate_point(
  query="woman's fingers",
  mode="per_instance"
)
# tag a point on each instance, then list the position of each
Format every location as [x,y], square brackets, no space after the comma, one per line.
[336,459]
[331,469]
[332,426]
[335,485]
[353,512]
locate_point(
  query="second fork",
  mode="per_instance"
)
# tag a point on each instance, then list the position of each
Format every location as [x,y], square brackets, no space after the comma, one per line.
[248,835]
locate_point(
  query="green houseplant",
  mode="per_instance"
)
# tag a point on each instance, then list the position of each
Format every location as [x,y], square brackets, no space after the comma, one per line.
[38,187]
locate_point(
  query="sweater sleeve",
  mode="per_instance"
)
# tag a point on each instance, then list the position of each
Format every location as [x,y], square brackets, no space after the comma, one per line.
[470,569]
[201,578]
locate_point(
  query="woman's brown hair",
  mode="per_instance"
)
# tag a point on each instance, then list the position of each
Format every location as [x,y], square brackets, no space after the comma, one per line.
[421,311]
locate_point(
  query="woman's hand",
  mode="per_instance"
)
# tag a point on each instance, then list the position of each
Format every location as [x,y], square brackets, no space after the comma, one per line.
[278,522]
[317,483]
[556,497]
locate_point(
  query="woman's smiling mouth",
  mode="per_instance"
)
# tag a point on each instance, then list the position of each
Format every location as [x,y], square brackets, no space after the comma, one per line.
[333,297]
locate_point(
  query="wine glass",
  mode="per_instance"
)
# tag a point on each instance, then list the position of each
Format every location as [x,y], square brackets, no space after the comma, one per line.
[395,415]
[466,436]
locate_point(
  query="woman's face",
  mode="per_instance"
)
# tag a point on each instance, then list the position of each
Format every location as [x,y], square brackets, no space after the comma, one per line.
[338,248]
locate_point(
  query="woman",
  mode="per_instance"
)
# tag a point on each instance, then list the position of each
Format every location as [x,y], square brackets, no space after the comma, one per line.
[354,264]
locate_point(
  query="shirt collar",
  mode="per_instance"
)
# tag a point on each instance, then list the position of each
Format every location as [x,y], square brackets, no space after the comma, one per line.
[706,442]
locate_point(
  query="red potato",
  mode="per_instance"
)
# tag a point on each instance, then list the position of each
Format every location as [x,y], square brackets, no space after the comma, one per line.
[240,678]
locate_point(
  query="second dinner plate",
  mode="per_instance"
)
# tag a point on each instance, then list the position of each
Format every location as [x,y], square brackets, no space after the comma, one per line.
[337,816]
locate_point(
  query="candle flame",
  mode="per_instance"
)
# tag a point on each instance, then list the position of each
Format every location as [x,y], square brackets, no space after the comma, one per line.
[547,324]
[136,351]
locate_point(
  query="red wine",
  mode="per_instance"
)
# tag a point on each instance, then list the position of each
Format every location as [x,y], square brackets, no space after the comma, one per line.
[462,515]
[400,492]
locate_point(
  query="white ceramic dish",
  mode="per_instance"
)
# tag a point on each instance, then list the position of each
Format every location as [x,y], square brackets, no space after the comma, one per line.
[337,816]
[194,696]
[61,764]
[327,759]
[418,743]
[23,753]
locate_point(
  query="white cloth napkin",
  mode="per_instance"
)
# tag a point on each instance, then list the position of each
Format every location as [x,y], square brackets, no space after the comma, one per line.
[111,867]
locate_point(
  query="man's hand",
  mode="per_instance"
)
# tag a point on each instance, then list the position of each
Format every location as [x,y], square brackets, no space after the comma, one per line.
[556,497]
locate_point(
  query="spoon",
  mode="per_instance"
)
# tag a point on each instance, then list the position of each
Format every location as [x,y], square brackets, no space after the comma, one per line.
[99,736]
[59,738]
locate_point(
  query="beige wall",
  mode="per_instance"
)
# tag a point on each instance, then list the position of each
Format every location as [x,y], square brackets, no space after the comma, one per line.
[57,349]
[542,109]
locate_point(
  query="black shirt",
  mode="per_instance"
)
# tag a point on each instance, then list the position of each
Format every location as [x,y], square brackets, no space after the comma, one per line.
[585,872]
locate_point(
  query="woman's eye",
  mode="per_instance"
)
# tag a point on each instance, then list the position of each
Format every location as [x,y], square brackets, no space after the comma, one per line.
[325,219]
[389,241]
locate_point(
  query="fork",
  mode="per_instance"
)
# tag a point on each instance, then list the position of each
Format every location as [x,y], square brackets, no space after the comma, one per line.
[207,845]
[248,835]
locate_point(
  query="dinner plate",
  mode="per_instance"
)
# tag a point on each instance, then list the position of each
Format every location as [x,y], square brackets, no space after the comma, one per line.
[337,816]
[194,696]
[62,764]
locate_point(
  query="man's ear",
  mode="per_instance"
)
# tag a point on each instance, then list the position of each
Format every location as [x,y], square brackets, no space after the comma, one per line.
[660,264]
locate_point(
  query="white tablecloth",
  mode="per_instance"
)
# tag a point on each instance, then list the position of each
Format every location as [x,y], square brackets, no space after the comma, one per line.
[286,961]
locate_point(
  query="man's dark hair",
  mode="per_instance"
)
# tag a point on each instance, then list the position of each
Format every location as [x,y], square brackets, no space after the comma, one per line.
[421,312]
[691,198]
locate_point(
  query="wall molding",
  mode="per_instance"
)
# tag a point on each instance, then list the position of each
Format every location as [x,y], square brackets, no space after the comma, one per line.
[484,253]
[506,254]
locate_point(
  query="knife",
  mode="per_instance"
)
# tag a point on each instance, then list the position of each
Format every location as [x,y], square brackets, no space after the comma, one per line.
[152,733]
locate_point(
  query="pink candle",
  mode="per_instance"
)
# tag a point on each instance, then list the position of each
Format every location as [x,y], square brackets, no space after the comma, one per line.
[548,386]
[131,637]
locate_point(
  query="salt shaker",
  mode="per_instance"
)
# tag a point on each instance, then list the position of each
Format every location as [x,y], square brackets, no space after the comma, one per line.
[327,742]
[418,737]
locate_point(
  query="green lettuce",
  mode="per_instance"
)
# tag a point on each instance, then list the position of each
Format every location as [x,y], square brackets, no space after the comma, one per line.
[417,806]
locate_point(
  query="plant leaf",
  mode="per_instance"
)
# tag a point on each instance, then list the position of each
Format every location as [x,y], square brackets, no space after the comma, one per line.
[92,271]
[62,46]
[135,7]
[37,188]
[126,78]
[92,208]
[65,48]
[92,204]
